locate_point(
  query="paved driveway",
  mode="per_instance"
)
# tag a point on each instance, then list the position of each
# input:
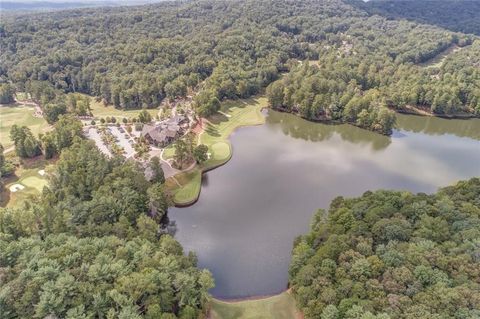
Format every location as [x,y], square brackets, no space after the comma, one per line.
[168,171]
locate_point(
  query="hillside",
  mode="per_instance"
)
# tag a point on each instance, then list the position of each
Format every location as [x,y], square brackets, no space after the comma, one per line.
[138,56]
[114,114]
[436,12]
[392,255]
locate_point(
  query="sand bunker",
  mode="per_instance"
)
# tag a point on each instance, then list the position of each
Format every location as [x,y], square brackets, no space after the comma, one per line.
[41,172]
[16,187]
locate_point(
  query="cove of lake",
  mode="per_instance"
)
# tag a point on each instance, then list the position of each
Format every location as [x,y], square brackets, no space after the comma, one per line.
[250,210]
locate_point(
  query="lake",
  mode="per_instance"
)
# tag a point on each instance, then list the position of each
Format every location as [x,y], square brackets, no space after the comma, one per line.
[251,209]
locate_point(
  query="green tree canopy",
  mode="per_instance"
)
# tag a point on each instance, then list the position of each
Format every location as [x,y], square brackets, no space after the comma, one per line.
[392,255]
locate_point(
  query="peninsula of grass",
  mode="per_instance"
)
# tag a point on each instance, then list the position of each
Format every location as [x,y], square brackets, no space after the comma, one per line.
[217,129]
[21,115]
[280,306]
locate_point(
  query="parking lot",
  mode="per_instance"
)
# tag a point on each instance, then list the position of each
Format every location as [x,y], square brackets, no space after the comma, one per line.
[123,139]
[93,134]
[126,141]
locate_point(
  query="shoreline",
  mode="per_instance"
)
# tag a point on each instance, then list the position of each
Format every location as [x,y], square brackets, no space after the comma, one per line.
[409,110]
[281,305]
[211,168]
[327,121]
[251,298]
[255,110]
[214,164]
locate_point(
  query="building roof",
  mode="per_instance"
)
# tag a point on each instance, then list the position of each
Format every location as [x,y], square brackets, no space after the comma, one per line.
[162,131]
[147,128]
[155,133]
[178,118]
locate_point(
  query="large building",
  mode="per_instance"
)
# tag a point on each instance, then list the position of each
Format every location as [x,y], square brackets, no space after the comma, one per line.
[164,133]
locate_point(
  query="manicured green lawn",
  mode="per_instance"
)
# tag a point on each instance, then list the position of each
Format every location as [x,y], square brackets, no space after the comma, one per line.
[99,110]
[191,182]
[220,150]
[233,114]
[281,306]
[22,116]
[32,181]
[169,151]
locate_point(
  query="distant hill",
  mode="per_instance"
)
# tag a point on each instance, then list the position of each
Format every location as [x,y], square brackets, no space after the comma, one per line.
[44,5]
[455,15]
[138,56]
[61,5]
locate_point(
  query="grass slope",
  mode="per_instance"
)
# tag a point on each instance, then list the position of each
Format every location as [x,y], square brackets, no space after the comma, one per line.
[21,115]
[232,115]
[99,110]
[281,306]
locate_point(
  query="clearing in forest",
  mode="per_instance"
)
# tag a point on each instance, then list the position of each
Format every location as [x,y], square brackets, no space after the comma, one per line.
[25,183]
[281,306]
[22,116]
[438,60]
[99,110]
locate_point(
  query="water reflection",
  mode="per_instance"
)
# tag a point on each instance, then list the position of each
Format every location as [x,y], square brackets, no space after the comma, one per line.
[438,126]
[297,127]
[251,209]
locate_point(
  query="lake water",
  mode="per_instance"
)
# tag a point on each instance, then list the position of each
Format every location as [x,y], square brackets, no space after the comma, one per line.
[250,210]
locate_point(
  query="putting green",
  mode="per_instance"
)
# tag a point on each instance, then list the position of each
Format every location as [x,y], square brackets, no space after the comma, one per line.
[191,182]
[34,182]
[220,151]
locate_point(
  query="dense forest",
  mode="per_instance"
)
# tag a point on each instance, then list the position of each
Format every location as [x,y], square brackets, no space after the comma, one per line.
[437,12]
[93,244]
[392,255]
[138,56]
